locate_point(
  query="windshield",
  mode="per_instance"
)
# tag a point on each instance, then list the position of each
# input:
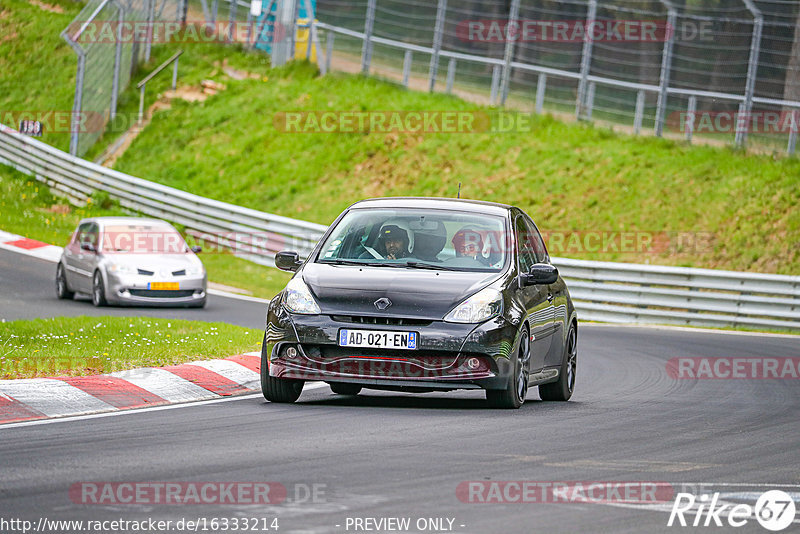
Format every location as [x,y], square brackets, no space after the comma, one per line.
[418,238]
[143,239]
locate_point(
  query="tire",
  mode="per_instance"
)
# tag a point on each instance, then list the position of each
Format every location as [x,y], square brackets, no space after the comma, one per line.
[514,395]
[563,388]
[98,290]
[345,389]
[274,389]
[62,288]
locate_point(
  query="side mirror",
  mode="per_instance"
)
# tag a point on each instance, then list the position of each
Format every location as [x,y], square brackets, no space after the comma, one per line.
[88,246]
[540,274]
[287,260]
[197,249]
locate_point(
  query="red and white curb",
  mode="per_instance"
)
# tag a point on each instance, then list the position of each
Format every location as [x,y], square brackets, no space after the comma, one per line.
[29,247]
[45,398]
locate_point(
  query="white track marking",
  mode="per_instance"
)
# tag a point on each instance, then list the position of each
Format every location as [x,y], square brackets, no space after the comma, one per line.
[53,398]
[232,371]
[697,330]
[313,385]
[166,385]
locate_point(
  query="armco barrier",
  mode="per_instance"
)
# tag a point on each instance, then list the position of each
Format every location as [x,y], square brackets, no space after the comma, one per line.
[602,291]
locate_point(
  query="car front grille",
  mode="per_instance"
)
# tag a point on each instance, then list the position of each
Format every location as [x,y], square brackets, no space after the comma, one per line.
[161,294]
[182,272]
[145,273]
[392,321]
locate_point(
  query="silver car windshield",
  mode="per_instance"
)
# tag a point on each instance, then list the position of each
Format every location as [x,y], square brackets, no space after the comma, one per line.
[418,238]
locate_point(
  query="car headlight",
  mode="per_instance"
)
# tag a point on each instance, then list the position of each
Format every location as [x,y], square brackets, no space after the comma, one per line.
[122,269]
[194,271]
[298,298]
[481,306]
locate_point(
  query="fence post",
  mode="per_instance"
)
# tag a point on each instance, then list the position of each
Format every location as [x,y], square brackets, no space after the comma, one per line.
[495,84]
[406,67]
[586,59]
[793,133]
[329,51]
[117,60]
[441,12]
[590,100]
[214,8]
[283,32]
[451,75]
[637,117]
[231,20]
[666,67]
[148,42]
[541,86]
[752,70]
[689,122]
[508,55]
[77,103]
[366,46]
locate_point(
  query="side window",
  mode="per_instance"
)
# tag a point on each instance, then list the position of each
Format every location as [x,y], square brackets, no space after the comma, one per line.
[537,243]
[82,235]
[93,235]
[526,255]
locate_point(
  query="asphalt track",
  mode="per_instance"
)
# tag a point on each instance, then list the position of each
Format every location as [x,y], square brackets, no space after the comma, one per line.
[394,455]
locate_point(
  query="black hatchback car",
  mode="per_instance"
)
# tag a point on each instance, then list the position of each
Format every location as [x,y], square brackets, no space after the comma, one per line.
[420,295]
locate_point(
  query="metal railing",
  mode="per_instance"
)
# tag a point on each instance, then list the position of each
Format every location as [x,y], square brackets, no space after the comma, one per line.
[142,85]
[602,291]
[659,83]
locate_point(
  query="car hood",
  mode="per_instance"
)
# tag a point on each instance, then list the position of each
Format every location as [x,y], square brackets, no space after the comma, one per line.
[414,293]
[155,262]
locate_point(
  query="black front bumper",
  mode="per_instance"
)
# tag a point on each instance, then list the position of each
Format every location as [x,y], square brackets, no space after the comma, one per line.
[448,355]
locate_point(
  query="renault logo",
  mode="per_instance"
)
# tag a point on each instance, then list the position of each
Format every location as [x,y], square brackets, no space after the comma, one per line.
[383,303]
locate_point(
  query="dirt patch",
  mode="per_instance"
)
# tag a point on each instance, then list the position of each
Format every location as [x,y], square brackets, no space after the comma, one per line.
[9,37]
[47,7]
[61,209]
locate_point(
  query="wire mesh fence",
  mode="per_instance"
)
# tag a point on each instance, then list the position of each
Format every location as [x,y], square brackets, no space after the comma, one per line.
[727,71]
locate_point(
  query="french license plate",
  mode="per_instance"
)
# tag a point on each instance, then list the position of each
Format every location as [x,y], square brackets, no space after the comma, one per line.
[382,339]
[168,286]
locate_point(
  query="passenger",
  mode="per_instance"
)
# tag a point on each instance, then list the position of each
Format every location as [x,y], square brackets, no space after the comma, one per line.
[469,243]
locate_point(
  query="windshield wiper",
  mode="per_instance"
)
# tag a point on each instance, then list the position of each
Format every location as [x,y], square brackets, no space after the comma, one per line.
[418,265]
[341,261]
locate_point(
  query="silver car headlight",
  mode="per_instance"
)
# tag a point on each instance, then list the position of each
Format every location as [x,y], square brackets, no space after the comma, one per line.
[481,306]
[120,268]
[194,271]
[298,298]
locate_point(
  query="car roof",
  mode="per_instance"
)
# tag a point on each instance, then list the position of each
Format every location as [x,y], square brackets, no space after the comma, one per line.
[478,206]
[112,221]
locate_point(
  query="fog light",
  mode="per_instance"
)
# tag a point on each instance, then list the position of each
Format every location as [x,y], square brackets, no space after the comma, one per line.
[291,352]
[473,363]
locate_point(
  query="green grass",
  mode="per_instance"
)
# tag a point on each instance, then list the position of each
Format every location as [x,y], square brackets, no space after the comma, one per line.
[78,346]
[569,177]
[37,67]
[28,208]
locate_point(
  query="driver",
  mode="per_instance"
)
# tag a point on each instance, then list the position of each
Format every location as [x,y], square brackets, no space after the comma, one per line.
[469,243]
[395,241]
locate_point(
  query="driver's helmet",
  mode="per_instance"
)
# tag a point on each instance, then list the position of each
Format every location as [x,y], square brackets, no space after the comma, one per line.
[467,242]
[392,232]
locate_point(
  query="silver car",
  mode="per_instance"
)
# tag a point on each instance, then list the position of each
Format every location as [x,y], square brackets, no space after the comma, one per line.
[133,261]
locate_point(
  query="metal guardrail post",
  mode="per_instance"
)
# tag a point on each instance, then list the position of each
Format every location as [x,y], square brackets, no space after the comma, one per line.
[637,117]
[793,132]
[438,30]
[666,67]
[541,88]
[586,58]
[495,85]
[752,69]
[508,54]
[406,67]
[690,114]
[451,75]
[366,46]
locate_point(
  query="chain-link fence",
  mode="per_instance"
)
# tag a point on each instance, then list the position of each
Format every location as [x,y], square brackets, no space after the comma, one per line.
[109,37]
[725,70]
